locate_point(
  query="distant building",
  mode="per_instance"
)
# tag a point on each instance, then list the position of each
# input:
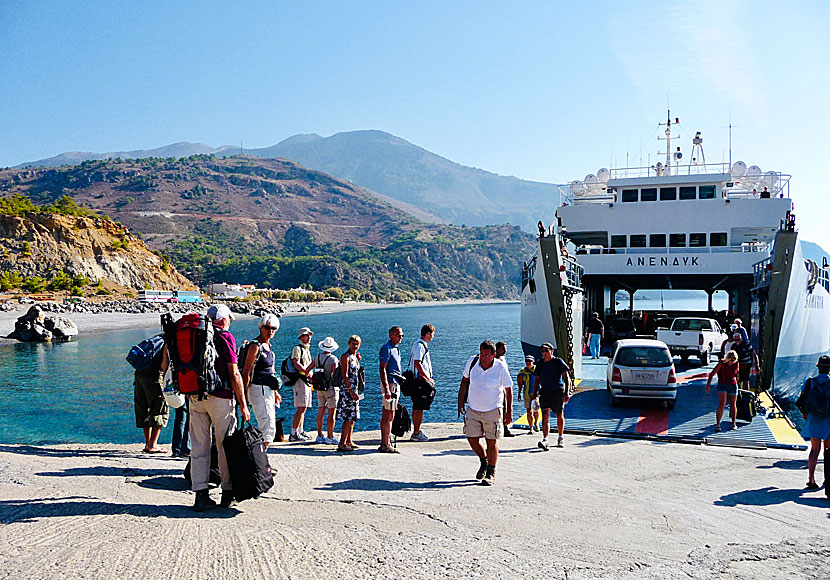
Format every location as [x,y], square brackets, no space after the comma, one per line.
[224,290]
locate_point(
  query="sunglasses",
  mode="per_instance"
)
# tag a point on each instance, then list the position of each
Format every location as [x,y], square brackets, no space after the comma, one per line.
[269,328]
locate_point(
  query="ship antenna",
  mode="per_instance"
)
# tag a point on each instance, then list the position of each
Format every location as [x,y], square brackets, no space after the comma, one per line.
[667,139]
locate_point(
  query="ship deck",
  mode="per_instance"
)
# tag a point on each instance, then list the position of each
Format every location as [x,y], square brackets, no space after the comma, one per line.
[692,420]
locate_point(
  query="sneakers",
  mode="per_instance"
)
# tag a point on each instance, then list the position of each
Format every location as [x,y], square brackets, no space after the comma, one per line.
[294,437]
[227,498]
[489,476]
[560,442]
[419,437]
[543,445]
[320,439]
[303,435]
[203,501]
[331,441]
[482,470]
[536,428]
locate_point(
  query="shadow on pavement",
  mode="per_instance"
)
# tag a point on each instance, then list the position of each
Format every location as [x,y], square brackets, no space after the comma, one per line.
[767,496]
[366,484]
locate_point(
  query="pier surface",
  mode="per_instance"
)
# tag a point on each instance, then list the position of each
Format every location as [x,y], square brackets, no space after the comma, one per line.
[598,508]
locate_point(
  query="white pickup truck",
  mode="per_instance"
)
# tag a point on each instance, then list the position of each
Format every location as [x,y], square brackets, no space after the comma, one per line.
[693,336]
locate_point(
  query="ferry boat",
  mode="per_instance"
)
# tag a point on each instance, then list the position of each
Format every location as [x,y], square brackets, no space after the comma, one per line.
[693,226]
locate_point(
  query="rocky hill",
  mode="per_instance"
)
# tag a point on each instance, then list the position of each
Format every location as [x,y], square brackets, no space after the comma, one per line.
[43,244]
[421,183]
[275,223]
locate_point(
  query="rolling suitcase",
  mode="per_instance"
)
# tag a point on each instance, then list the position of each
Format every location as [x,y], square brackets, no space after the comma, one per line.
[247,462]
[746,406]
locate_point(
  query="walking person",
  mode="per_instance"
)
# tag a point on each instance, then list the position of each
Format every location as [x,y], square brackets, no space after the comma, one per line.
[391,378]
[727,373]
[259,377]
[420,364]
[218,410]
[301,360]
[596,332]
[814,404]
[327,367]
[525,384]
[480,400]
[553,387]
[507,408]
[348,406]
[746,359]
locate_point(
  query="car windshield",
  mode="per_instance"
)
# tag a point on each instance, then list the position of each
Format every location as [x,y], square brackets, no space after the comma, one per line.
[643,356]
[690,324]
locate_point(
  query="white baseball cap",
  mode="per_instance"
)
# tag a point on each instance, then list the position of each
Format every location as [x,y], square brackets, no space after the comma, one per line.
[220,311]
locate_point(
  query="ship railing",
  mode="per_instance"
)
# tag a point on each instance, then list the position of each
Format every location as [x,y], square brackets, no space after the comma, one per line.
[750,247]
[573,272]
[762,272]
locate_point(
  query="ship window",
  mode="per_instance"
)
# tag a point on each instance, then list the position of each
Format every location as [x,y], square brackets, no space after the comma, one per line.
[657,240]
[717,239]
[688,192]
[677,240]
[618,241]
[648,194]
[629,195]
[697,240]
[638,241]
[707,192]
[668,193]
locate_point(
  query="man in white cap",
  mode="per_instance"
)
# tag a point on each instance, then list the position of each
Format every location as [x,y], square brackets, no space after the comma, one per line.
[328,389]
[301,359]
[217,409]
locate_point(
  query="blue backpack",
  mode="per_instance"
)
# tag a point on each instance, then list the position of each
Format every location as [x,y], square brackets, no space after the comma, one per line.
[146,354]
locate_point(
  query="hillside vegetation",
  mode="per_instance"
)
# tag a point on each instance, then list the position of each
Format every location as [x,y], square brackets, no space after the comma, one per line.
[275,223]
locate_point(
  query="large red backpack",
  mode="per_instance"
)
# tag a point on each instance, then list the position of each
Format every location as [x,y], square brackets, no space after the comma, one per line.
[192,354]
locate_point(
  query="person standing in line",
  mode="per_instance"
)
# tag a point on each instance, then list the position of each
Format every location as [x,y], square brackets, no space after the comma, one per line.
[553,387]
[327,364]
[391,378]
[480,401]
[739,327]
[217,409]
[420,363]
[596,332]
[151,410]
[814,404]
[746,359]
[301,360]
[348,406]
[507,409]
[180,445]
[259,377]
[727,372]
[525,383]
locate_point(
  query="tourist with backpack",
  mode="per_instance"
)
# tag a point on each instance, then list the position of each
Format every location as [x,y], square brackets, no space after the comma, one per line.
[149,359]
[391,378]
[814,404]
[214,404]
[422,391]
[326,380]
[301,362]
[259,377]
[480,401]
[351,391]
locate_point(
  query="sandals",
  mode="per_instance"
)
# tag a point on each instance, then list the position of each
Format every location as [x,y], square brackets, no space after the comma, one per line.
[384,449]
[345,448]
[156,450]
[812,485]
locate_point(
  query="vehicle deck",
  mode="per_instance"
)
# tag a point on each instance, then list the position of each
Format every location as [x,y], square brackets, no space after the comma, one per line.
[692,420]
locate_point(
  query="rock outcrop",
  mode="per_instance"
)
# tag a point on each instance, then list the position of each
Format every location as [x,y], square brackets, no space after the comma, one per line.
[35,326]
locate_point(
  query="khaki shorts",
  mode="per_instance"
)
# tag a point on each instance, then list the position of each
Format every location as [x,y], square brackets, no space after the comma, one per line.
[328,398]
[532,404]
[302,394]
[392,405]
[486,424]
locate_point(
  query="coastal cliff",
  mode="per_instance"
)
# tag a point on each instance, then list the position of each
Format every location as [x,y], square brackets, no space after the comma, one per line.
[42,244]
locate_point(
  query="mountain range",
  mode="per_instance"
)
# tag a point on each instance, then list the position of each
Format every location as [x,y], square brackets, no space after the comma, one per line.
[421,183]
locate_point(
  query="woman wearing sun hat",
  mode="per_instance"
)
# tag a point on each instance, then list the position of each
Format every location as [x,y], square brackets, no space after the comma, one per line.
[328,390]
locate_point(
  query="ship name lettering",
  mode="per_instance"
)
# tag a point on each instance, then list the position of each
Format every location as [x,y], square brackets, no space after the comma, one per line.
[814,301]
[664,261]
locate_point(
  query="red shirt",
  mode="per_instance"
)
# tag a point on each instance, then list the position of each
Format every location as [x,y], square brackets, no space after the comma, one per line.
[728,373]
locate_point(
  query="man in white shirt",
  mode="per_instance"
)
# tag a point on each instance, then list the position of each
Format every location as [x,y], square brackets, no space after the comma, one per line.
[480,400]
[420,364]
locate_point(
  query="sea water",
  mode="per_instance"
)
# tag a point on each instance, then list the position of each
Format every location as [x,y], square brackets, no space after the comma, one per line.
[82,391]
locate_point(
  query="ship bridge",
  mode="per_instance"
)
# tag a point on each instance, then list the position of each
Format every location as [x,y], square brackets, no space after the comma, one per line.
[655,228]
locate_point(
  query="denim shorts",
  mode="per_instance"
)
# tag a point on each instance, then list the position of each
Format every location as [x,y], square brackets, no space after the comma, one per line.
[730,390]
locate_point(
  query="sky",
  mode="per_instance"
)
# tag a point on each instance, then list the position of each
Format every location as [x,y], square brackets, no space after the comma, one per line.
[547,91]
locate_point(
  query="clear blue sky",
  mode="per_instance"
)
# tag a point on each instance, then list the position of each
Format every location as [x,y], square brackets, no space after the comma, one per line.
[547,91]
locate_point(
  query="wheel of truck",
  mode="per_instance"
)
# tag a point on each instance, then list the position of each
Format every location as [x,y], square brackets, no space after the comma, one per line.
[704,356]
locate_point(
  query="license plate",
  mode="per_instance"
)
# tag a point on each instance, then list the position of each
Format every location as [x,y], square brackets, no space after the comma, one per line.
[644,376]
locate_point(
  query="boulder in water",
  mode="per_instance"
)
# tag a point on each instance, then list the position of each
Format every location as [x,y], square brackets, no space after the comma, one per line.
[34,326]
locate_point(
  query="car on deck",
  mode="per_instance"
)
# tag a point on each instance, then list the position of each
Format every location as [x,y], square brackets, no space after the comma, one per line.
[641,369]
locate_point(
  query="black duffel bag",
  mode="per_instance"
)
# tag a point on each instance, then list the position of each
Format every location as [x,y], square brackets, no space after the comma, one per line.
[746,405]
[215,478]
[247,462]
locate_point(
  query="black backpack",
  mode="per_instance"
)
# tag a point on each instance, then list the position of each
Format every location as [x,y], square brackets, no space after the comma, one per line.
[289,377]
[402,422]
[146,355]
